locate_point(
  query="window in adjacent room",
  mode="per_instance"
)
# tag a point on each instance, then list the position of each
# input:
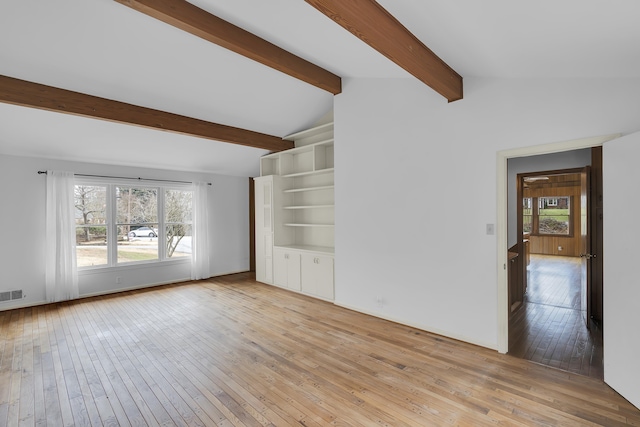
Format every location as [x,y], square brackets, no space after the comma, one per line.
[527,215]
[554,215]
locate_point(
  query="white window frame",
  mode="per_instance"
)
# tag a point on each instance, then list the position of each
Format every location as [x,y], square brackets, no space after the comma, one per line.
[112,226]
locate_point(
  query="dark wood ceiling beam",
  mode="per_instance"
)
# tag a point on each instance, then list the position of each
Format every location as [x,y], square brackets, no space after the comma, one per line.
[370,22]
[188,17]
[35,95]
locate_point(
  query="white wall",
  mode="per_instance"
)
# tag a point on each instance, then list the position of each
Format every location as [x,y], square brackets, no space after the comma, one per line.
[416,186]
[22,216]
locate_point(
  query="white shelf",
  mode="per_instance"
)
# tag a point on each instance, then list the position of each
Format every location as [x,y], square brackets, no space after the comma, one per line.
[297,190]
[310,132]
[309,207]
[308,173]
[308,248]
[301,149]
[309,225]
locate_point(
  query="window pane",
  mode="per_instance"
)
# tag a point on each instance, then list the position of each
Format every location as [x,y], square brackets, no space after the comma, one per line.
[136,205]
[178,240]
[91,225]
[91,246]
[178,206]
[138,248]
[553,215]
[178,214]
[137,221]
[527,215]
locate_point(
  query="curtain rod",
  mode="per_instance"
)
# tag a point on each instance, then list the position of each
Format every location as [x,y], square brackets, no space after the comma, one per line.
[126,177]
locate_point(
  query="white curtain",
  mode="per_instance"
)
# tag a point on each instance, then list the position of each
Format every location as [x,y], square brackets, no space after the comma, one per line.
[200,243]
[61,274]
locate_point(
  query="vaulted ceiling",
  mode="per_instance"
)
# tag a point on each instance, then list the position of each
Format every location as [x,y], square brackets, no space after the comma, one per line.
[105,49]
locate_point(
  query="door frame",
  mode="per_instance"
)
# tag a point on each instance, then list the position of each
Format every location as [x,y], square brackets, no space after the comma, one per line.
[501,228]
[252,225]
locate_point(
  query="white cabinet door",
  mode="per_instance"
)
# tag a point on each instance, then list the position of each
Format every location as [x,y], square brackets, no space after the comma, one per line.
[317,275]
[268,257]
[280,268]
[293,270]
[286,265]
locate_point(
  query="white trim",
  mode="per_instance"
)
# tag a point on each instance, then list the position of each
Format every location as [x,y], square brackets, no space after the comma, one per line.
[501,229]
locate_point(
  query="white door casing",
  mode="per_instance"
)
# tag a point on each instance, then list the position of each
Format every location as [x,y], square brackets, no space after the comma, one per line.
[501,219]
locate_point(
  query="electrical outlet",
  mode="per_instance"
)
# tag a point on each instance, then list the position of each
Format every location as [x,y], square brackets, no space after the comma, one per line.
[559,248]
[118,280]
[379,301]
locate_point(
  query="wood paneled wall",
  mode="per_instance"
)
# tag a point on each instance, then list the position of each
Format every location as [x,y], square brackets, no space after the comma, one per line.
[565,185]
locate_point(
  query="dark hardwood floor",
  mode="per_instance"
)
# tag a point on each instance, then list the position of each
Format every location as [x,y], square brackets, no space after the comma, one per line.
[233,352]
[549,328]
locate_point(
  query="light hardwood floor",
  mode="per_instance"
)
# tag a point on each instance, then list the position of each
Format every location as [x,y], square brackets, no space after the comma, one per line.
[233,352]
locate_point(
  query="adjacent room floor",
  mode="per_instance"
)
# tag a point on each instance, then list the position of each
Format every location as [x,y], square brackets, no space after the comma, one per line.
[549,327]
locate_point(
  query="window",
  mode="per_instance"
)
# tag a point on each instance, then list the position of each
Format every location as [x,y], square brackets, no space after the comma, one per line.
[124,224]
[527,215]
[553,215]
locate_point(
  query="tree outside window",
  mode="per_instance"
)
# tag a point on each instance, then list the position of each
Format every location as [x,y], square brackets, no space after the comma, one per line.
[178,222]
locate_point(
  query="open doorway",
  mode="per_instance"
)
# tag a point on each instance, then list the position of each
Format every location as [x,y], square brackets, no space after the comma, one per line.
[553,315]
[619,156]
[548,324]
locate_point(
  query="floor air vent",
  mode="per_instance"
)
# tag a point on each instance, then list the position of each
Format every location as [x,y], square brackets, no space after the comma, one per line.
[10,295]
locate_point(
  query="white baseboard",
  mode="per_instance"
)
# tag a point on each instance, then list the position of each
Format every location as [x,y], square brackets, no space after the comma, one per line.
[421,327]
[112,291]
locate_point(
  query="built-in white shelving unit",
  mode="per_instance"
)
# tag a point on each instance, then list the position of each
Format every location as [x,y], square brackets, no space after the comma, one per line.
[300,182]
